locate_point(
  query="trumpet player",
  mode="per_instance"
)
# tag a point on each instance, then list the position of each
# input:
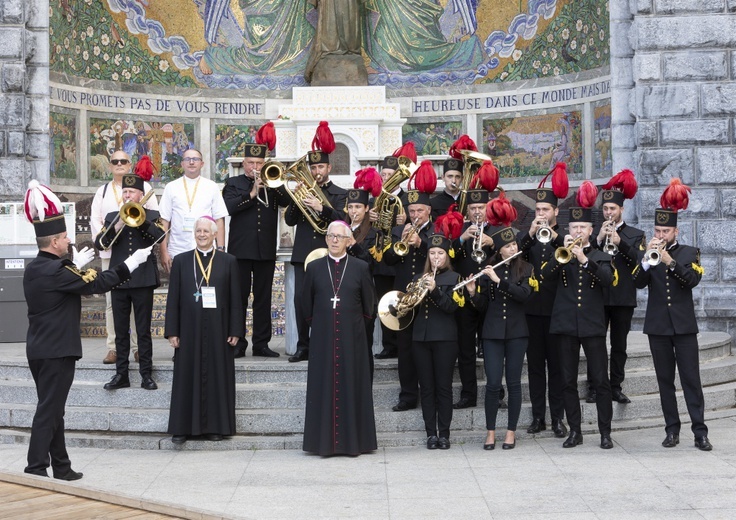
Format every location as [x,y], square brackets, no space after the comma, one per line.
[453,178]
[578,319]
[620,299]
[254,216]
[670,322]
[136,293]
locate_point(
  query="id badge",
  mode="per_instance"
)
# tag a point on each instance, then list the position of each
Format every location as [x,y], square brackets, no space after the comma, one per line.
[209,298]
[189,224]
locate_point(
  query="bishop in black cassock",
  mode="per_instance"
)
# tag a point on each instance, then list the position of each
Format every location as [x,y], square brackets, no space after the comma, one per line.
[338,297]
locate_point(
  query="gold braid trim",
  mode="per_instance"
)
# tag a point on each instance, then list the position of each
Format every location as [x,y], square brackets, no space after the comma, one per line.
[697,268]
[88,275]
[459,298]
[615,277]
[375,253]
[533,283]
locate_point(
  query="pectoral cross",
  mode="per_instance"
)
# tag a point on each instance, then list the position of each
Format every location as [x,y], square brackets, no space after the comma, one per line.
[334,300]
[197,295]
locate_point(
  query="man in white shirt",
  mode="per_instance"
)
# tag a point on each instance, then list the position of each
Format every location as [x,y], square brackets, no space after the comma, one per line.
[108,198]
[183,202]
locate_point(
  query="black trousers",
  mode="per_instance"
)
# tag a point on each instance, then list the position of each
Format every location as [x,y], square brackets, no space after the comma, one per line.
[435,362]
[141,299]
[385,284]
[408,378]
[543,365]
[260,273]
[302,325]
[681,350]
[619,320]
[53,378]
[595,352]
[500,354]
[468,320]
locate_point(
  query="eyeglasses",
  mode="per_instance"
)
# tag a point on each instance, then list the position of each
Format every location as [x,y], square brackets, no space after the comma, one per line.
[332,236]
[191,159]
[115,162]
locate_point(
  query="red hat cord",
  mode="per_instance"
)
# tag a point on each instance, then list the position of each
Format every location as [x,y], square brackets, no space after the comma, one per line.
[267,135]
[368,179]
[625,182]
[676,196]
[464,142]
[40,202]
[323,140]
[425,178]
[450,224]
[560,185]
[406,150]
[486,177]
[144,168]
[500,211]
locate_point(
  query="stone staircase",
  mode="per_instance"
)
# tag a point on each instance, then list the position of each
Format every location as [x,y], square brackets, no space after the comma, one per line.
[270,396]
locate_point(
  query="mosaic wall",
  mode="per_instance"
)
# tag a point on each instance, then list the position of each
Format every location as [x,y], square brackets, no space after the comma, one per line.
[230,141]
[433,138]
[264,44]
[602,140]
[63,148]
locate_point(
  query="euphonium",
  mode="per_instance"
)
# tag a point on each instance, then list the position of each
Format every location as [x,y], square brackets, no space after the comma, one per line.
[564,254]
[609,247]
[396,308]
[401,247]
[132,214]
[472,161]
[387,205]
[275,174]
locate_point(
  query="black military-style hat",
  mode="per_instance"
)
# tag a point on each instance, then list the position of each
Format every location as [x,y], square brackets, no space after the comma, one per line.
[546,195]
[440,241]
[452,164]
[417,197]
[357,197]
[578,214]
[43,209]
[614,196]
[255,150]
[390,162]
[478,197]
[318,157]
[131,180]
[503,237]
[665,217]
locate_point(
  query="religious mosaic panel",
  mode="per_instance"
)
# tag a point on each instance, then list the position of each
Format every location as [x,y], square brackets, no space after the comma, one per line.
[63,148]
[266,44]
[602,140]
[433,138]
[529,146]
[230,141]
[164,141]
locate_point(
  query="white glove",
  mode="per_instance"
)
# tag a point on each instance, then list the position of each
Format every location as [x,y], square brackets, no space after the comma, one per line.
[83,257]
[137,258]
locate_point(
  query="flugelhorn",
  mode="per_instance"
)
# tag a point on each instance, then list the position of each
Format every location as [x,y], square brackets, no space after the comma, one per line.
[563,255]
[478,255]
[132,214]
[609,247]
[401,247]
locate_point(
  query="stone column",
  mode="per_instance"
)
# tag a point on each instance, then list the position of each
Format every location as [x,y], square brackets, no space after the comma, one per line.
[24,96]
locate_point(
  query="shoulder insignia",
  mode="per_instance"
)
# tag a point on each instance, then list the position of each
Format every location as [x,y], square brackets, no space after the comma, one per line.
[615,277]
[697,268]
[459,298]
[88,275]
[533,283]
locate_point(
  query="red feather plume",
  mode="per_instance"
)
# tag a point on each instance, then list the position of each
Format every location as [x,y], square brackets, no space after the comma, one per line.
[267,135]
[560,185]
[486,177]
[676,196]
[407,150]
[625,182]
[450,224]
[323,139]
[368,179]
[464,142]
[425,178]
[587,193]
[500,211]
[144,168]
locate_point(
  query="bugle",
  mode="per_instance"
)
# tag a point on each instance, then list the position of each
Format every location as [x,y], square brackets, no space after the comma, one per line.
[563,255]
[476,276]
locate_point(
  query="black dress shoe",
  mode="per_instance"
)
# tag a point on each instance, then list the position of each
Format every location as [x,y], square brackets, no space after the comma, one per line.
[671,440]
[443,443]
[591,397]
[117,381]
[509,445]
[387,354]
[239,351]
[703,444]
[490,446]
[502,404]
[620,397]
[179,439]
[536,426]
[299,355]
[573,440]
[559,428]
[433,442]
[403,406]
[464,402]
[265,352]
[148,383]
[69,475]
[213,437]
[606,442]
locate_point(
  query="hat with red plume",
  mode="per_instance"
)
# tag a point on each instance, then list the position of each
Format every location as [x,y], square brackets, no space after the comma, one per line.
[456,160]
[587,193]
[501,212]
[675,197]
[560,185]
[450,224]
[622,186]
[265,142]
[143,172]
[406,150]
[43,209]
[483,183]
[367,181]
[425,182]
[323,144]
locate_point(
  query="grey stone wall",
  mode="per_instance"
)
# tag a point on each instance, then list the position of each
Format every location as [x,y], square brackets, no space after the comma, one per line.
[24,104]
[678,104]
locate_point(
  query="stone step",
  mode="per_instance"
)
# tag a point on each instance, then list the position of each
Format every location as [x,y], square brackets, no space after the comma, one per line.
[291,421]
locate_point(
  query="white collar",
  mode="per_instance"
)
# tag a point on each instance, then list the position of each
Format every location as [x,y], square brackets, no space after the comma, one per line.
[206,252]
[337,260]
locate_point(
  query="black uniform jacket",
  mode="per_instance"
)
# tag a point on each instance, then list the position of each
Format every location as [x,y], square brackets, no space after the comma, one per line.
[130,240]
[630,251]
[434,318]
[382,268]
[441,202]
[503,303]
[362,249]
[407,267]
[537,254]
[53,289]
[253,226]
[307,239]
[670,308]
[578,309]
[463,262]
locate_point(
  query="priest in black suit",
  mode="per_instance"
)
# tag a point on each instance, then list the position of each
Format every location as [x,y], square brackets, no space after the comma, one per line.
[338,298]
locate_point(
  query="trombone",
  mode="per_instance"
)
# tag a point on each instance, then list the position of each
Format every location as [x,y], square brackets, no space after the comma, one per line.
[563,255]
[401,247]
[478,255]
[609,247]
[132,214]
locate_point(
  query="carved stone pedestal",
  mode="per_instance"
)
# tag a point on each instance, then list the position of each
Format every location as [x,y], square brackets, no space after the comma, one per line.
[338,71]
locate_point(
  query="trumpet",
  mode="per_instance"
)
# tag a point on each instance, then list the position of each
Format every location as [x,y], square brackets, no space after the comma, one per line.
[654,256]
[132,214]
[396,309]
[609,247]
[401,247]
[475,277]
[478,255]
[563,255]
[544,233]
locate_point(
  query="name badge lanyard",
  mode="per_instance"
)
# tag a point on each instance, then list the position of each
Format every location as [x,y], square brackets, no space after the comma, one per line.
[205,273]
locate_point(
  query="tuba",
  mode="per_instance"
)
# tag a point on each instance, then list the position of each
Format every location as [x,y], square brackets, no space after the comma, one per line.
[388,205]
[298,182]
[472,161]
[396,308]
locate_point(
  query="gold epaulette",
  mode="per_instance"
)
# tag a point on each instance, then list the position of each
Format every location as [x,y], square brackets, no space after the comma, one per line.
[88,275]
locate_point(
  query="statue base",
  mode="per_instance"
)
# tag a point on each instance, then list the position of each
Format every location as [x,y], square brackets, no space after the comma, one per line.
[340,70]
